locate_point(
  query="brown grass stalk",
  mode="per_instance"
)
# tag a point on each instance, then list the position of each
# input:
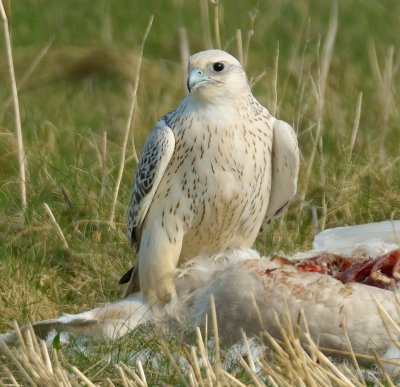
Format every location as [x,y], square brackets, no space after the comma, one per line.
[215,329]
[256,380]
[239,43]
[248,350]
[185,53]
[56,225]
[351,351]
[141,372]
[216,24]
[275,81]
[32,67]
[386,376]
[205,24]
[175,364]
[125,371]
[17,117]
[83,377]
[250,34]
[103,163]
[194,362]
[209,371]
[355,125]
[232,379]
[129,123]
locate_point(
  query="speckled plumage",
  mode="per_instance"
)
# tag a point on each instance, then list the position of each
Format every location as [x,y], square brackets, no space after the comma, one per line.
[207,174]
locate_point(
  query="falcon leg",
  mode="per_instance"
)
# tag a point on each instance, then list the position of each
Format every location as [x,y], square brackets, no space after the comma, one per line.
[158,257]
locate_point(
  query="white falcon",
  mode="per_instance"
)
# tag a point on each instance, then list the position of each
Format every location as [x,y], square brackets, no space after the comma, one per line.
[210,172]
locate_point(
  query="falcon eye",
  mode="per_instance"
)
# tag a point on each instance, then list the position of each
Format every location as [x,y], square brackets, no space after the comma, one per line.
[218,66]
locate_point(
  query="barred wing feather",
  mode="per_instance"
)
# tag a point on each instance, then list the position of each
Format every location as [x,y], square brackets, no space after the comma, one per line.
[153,162]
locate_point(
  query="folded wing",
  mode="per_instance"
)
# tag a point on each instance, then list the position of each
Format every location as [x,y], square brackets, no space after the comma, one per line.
[285,168]
[153,162]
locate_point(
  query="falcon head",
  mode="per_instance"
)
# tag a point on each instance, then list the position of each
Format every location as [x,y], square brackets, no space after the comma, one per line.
[214,74]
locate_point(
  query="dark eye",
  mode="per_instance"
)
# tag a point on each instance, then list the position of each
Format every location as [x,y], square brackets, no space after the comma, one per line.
[218,66]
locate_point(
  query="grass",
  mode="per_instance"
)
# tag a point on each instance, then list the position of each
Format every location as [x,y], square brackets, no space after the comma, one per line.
[75,68]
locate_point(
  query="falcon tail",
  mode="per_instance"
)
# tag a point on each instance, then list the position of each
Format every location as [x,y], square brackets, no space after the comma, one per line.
[126,277]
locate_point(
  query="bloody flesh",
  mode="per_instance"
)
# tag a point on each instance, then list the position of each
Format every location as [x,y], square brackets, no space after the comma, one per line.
[382,272]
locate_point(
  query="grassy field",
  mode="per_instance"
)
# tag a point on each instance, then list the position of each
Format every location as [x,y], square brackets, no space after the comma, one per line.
[76,62]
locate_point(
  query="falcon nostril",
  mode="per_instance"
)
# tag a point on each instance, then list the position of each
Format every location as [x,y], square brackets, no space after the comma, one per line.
[199,72]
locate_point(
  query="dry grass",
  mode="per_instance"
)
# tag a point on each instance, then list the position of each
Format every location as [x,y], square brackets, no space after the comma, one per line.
[285,363]
[336,80]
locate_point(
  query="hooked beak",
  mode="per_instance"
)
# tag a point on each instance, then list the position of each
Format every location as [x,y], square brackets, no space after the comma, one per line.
[196,79]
